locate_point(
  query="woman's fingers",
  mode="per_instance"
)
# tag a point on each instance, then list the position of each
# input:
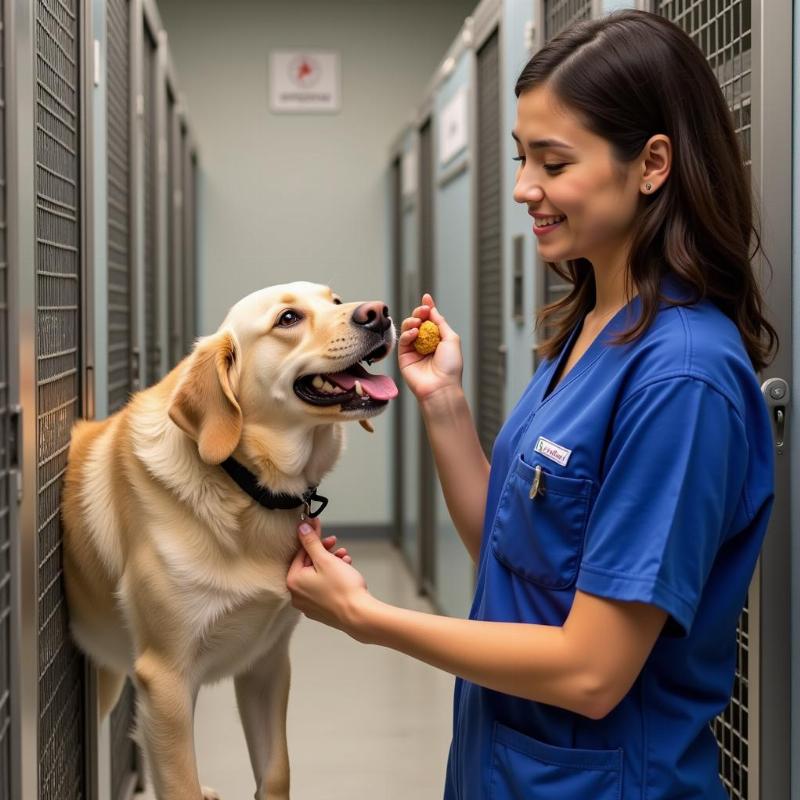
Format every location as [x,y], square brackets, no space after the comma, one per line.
[406,337]
[410,322]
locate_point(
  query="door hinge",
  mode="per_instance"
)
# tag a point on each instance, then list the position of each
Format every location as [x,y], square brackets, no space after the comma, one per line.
[15,446]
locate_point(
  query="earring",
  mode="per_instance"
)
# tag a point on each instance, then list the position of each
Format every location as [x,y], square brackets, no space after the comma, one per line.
[648,186]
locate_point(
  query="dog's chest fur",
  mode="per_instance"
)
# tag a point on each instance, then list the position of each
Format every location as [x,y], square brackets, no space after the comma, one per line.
[204,578]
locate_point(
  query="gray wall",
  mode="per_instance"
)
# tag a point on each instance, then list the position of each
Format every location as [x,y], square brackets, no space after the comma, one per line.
[305,196]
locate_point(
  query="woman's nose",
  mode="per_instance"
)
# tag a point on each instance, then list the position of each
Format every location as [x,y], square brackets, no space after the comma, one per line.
[527,191]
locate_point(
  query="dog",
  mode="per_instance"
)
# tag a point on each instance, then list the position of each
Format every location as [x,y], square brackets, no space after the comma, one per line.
[175,571]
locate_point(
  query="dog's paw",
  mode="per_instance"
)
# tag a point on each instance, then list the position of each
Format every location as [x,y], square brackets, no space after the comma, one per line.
[209,794]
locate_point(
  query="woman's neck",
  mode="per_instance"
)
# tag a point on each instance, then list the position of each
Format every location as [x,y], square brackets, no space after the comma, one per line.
[612,287]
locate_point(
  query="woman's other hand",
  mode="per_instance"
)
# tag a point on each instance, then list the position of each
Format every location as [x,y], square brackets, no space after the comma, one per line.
[425,375]
[323,584]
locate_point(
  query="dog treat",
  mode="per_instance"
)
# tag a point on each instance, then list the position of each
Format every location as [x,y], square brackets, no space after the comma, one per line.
[366,425]
[428,338]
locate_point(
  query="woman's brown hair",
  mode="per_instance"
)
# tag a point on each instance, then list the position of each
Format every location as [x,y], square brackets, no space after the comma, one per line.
[628,76]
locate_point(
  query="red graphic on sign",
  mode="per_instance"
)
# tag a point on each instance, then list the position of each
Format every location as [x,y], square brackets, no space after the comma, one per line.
[304,70]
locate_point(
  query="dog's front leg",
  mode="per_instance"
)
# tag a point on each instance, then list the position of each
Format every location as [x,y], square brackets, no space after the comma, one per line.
[262,694]
[165,719]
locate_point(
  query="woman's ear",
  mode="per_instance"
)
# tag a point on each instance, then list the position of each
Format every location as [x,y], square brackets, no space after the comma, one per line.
[204,403]
[656,162]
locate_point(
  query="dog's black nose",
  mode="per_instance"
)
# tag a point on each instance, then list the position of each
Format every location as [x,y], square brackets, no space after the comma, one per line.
[374,316]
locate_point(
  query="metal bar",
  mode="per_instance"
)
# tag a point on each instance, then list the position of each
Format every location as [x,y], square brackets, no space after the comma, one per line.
[771,152]
[87,208]
[21,205]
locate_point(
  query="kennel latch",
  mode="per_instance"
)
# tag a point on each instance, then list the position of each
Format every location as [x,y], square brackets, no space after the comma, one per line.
[15,446]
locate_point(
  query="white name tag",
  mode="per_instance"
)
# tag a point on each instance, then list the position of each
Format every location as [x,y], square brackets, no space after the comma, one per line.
[555,452]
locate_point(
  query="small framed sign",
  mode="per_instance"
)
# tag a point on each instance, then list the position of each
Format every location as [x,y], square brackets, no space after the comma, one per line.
[454,126]
[304,81]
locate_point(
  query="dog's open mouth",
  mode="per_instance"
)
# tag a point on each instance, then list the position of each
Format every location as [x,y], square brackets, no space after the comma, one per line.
[354,389]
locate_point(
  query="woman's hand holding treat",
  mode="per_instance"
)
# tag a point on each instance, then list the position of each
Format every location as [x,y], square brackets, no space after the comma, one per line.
[428,372]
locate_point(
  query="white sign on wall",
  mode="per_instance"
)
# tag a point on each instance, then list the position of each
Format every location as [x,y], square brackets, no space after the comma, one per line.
[453,126]
[408,176]
[304,81]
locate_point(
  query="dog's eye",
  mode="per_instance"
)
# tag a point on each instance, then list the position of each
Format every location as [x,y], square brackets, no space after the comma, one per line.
[289,318]
[337,301]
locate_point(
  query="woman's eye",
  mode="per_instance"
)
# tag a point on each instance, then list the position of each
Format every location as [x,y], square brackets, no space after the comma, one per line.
[289,318]
[519,159]
[554,169]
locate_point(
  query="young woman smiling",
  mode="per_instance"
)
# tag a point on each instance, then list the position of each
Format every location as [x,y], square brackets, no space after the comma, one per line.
[617,528]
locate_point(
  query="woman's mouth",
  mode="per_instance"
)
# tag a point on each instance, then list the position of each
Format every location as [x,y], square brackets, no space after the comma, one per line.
[543,225]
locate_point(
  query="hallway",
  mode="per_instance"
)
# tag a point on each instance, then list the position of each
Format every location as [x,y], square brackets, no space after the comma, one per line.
[364,722]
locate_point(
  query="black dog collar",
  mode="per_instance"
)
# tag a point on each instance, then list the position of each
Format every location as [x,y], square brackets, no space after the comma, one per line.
[248,483]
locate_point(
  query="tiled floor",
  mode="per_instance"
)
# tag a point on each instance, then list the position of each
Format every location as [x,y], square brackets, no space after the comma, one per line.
[365,723]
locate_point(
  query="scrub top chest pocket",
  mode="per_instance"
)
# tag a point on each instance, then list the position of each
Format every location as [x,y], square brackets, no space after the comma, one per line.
[540,524]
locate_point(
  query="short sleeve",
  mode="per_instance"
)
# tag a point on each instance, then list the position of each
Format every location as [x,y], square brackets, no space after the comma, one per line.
[672,480]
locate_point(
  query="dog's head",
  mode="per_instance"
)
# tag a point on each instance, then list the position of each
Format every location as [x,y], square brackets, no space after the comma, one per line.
[284,356]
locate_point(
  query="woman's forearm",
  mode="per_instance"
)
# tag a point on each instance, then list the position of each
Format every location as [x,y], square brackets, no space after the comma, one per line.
[462,467]
[536,662]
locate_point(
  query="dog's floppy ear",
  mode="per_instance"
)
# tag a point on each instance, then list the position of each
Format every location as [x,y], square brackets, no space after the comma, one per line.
[204,403]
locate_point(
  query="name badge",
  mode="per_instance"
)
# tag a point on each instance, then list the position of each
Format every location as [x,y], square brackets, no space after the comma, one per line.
[555,452]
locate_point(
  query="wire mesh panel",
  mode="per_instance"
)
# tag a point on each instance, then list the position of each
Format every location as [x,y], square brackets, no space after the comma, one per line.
[560,14]
[5,464]
[490,278]
[152,348]
[189,254]
[722,30]
[119,187]
[61,730]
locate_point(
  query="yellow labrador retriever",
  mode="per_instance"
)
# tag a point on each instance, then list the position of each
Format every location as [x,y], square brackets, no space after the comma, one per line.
[180,516]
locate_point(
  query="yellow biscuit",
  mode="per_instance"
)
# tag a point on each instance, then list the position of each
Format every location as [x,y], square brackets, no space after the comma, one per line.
[428,338]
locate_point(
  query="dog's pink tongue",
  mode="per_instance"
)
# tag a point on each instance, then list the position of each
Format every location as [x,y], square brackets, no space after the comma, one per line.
[378,387]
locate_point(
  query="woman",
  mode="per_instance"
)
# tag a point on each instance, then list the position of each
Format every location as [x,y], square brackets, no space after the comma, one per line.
[618,526]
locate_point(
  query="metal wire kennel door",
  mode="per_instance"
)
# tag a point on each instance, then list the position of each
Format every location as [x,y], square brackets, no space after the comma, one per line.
[560,14]
[61,702]
[491,352]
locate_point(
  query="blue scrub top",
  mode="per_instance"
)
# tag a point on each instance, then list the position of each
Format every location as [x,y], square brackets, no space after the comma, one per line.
[655,464]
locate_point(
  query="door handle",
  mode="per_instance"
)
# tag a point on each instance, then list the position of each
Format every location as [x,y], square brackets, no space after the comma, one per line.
[776,394]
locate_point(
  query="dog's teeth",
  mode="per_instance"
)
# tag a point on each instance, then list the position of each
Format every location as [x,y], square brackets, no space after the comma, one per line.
[327,387]
[317,382]
[359,389]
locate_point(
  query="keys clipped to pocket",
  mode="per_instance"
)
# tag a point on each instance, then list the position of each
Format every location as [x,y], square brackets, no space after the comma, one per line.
[537,487]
